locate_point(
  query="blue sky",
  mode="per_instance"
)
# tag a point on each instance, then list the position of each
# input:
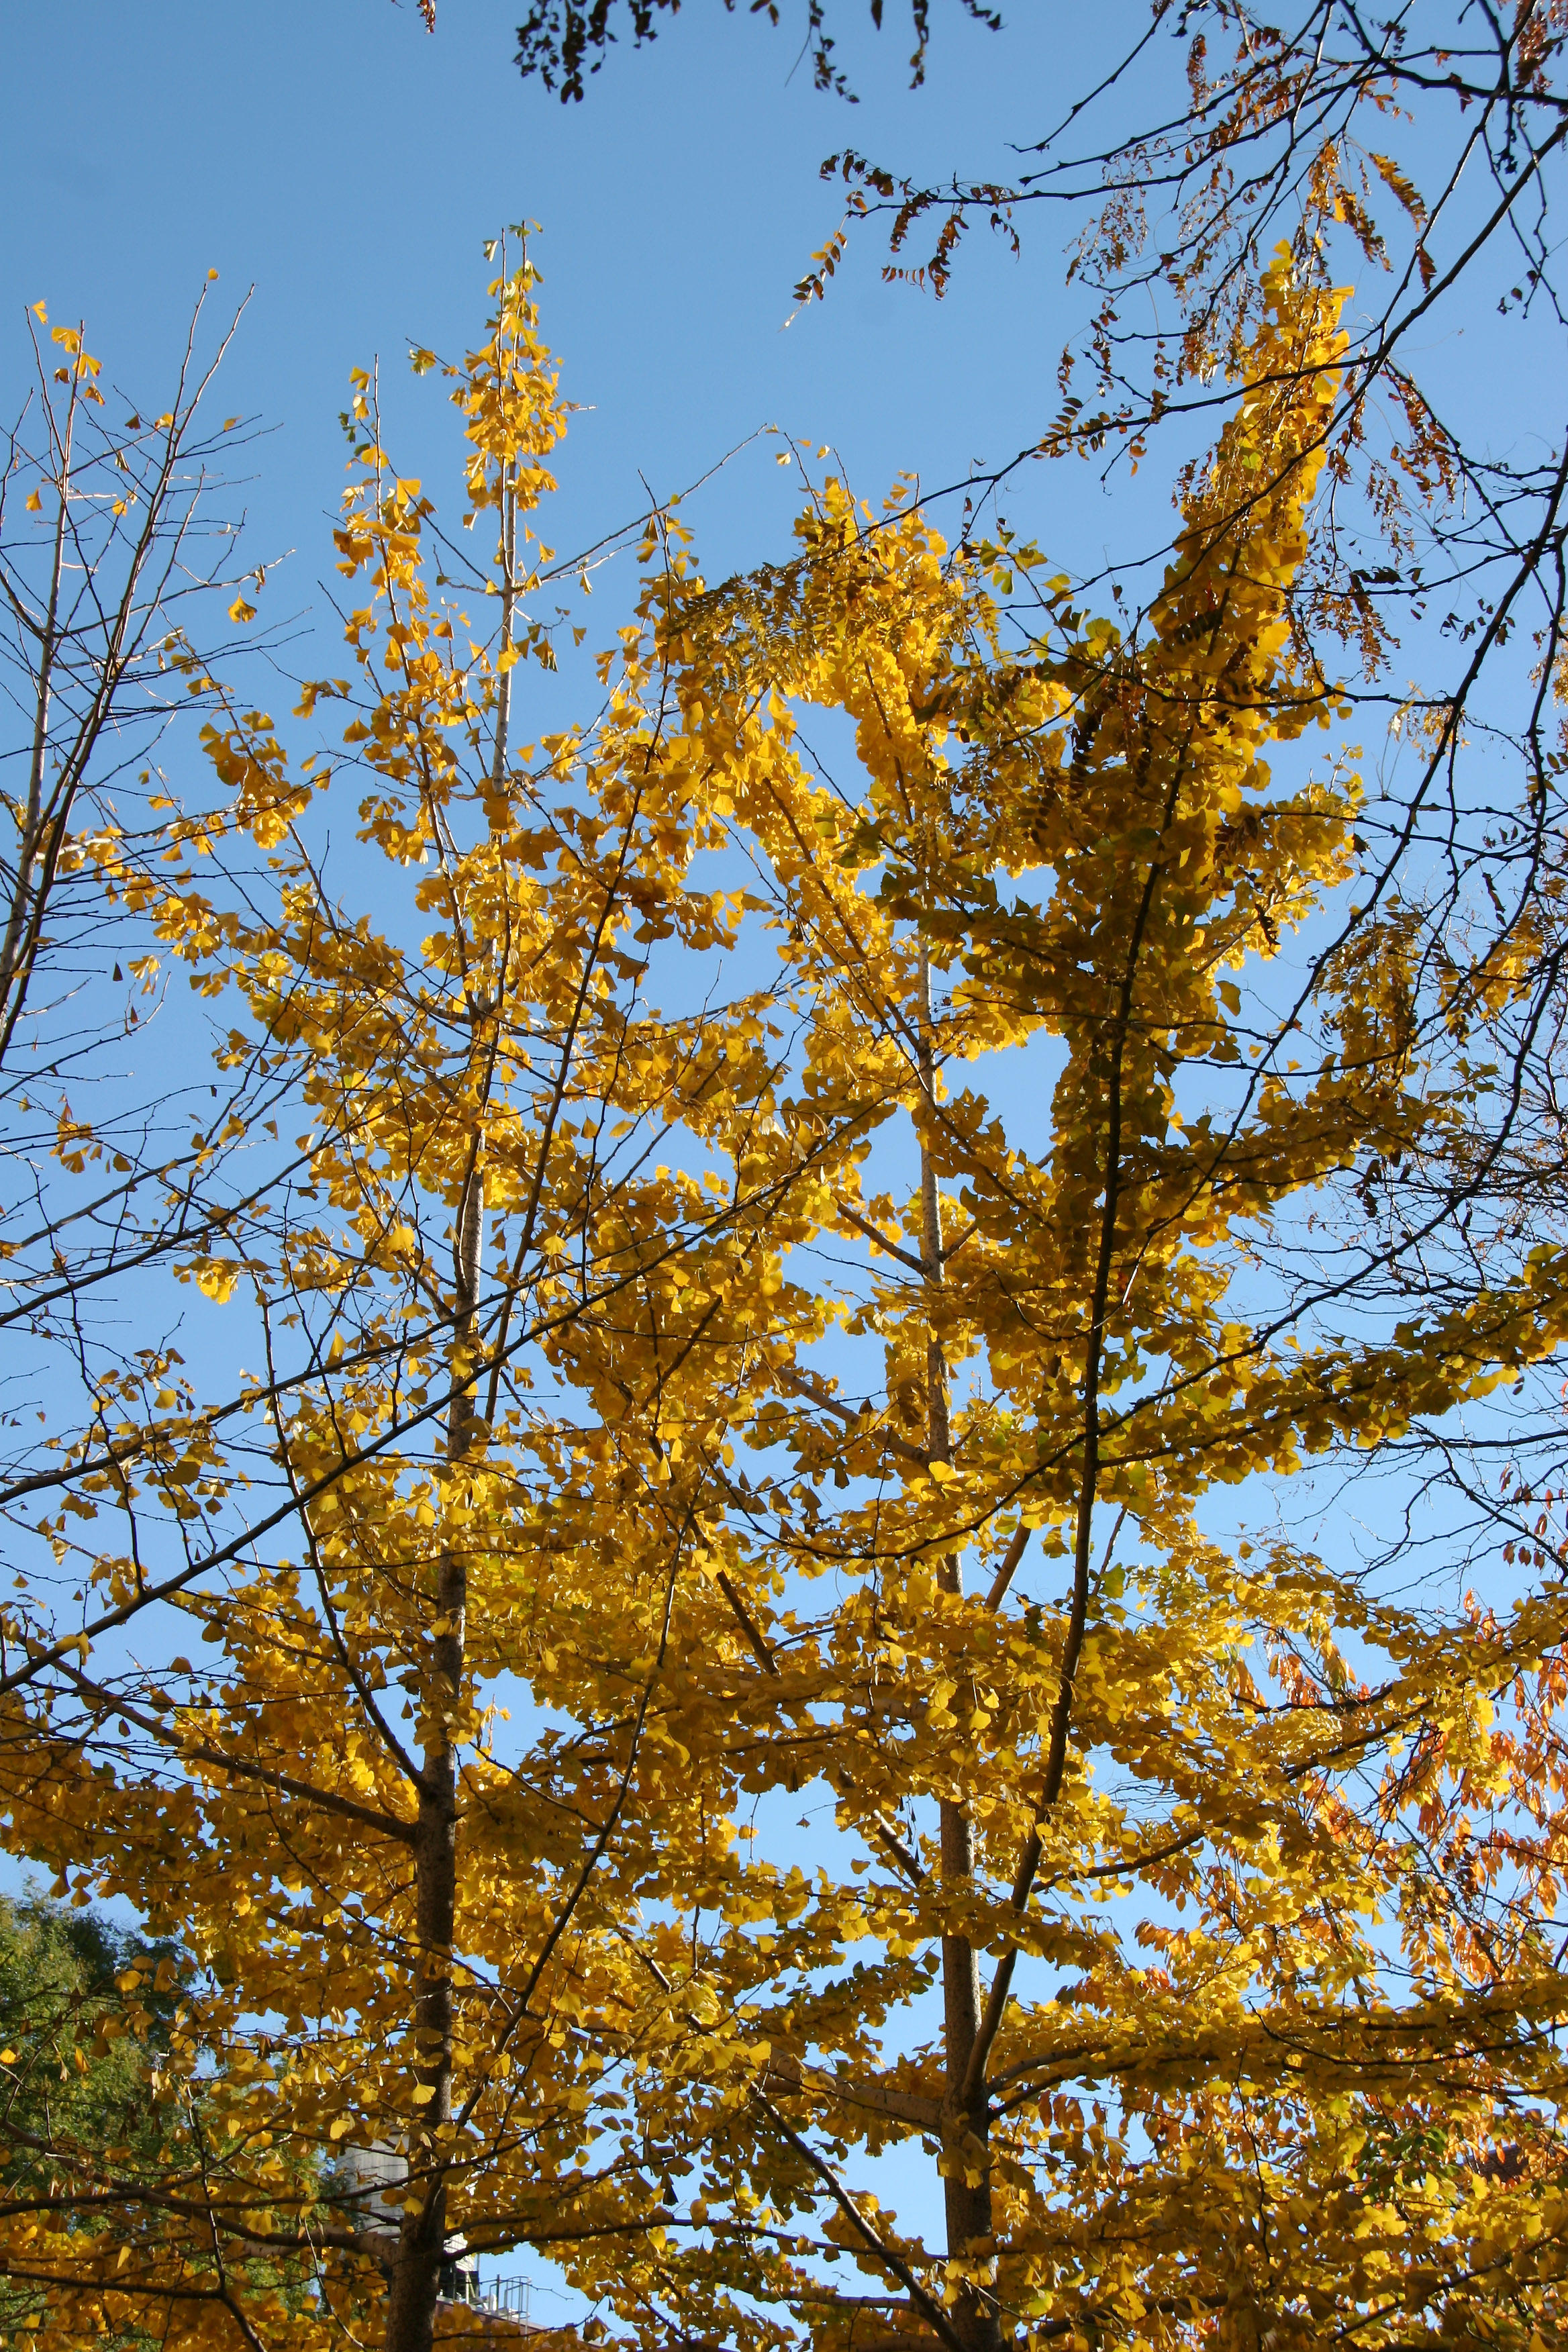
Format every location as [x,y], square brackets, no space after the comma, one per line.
[349,165]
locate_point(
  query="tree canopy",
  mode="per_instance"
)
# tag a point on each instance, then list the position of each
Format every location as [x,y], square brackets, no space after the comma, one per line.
[661,1612]
[86,2014]
[797,1522]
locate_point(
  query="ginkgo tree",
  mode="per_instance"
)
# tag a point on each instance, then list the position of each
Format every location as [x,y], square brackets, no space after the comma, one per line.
[1198,1922]
[645,1424]
[497,1345]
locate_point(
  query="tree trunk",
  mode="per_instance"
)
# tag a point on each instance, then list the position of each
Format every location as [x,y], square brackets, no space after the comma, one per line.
[965,2148]
[416,2277]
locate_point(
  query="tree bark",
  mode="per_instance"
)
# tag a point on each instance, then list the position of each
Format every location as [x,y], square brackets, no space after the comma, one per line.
[417,2276]
[965,2136]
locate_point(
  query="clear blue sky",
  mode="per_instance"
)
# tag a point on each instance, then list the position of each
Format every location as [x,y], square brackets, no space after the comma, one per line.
[348,165]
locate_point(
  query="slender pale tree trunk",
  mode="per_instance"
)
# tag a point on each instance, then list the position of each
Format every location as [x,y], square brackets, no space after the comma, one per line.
[507,608]
[422,2242]
[965,2138]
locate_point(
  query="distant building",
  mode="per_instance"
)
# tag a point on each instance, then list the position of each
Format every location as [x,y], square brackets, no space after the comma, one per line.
[497,2313]
[366,2176]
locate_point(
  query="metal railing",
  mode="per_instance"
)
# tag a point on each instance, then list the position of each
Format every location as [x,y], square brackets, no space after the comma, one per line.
[509,2297]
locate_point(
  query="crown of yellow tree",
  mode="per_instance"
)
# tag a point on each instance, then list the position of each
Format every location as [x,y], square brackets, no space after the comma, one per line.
[647,1421]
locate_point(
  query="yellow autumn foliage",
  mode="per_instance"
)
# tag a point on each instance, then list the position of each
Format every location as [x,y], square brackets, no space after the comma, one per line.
[654,1426]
